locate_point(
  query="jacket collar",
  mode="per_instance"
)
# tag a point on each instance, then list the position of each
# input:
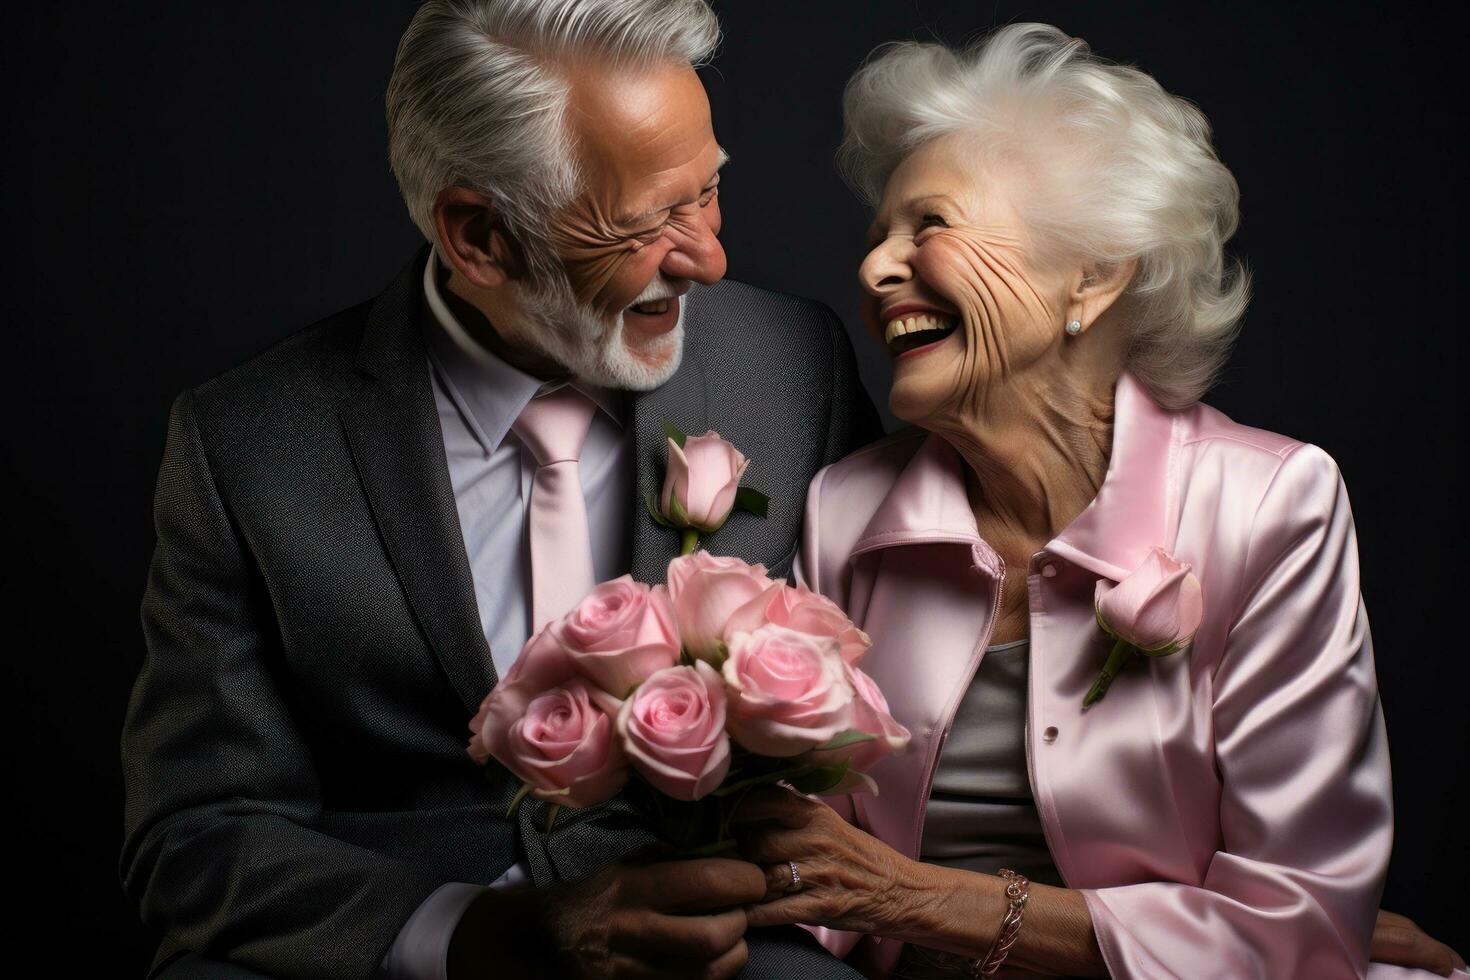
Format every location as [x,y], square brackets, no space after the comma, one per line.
[392,427]
[489,392]
[1131,513]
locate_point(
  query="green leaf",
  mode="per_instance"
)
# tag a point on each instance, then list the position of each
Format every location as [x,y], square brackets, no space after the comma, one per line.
[520,795]
[672,431]
[715,525]
[845,739]
[752,501]
[678,516]
[654,512]
[761,780]
[819,779]
[1172,648]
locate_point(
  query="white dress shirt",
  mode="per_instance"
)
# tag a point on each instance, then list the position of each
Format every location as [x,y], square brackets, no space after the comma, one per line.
[479,396]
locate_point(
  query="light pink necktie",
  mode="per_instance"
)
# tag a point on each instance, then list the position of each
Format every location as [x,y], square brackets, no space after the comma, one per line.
[554,426]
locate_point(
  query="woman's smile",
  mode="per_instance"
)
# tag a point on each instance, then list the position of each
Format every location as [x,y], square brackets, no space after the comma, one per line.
[911,329]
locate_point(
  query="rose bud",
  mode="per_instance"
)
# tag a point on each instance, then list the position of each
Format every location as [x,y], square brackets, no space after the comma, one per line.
[1157,609]
[700,484]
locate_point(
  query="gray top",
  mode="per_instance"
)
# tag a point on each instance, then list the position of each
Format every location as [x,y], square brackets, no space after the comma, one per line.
[981,815]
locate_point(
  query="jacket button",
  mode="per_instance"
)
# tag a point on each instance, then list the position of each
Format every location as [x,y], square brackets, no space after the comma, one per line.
[1049,570]
[1050,735]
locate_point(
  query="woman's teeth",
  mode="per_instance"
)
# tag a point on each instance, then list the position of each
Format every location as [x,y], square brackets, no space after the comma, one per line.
[652,307]
[907,333]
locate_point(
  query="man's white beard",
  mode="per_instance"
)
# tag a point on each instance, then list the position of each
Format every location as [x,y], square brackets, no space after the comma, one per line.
[593,346]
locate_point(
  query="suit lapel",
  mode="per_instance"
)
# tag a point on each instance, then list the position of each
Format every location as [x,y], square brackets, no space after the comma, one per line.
[684,401]
[680,401]
[392,425]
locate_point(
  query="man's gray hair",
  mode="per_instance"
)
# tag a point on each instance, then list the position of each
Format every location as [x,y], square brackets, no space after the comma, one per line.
[1118,169]
[477,100]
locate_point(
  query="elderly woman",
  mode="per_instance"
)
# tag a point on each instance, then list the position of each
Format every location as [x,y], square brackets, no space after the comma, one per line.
[1047,269]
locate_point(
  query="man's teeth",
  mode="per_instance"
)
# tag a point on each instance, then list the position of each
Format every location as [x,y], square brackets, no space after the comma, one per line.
[914,324]
[652,307]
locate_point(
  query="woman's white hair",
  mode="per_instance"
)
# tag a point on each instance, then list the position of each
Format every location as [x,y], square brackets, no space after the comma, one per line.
[477,100]
[1118,169]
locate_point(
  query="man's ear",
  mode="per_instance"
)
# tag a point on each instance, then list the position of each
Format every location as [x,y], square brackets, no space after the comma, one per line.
[473,239]
[1096,288]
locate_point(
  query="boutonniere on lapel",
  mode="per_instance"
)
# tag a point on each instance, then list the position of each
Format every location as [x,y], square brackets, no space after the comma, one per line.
[702,487]
[1155,611]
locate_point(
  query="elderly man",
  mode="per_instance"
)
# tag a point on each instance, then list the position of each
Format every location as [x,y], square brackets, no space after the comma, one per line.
[353,543]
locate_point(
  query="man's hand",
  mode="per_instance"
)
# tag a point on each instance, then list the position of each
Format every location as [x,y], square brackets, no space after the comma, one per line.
[1399,941]
[670,919]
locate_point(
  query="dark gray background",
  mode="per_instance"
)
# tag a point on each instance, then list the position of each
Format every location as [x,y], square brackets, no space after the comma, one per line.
[185,186]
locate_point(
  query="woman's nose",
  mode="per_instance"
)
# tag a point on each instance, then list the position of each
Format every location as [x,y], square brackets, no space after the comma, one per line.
[697,253]
[886,267]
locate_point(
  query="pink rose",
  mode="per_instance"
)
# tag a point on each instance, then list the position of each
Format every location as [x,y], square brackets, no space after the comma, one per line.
[799,608]
[1157,609]
[673,730]
[786,690]
[620,634]
[870,717]
[541,665]
[560,742]
[699,487]
[707,592]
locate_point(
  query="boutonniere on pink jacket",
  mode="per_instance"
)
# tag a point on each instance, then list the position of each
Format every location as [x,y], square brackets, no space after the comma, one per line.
[1155,611]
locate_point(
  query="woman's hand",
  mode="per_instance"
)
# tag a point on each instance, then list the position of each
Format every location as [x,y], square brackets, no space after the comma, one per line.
[849,879]
[1397,940]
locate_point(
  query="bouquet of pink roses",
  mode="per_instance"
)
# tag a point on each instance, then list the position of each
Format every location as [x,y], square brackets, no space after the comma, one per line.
[721,681]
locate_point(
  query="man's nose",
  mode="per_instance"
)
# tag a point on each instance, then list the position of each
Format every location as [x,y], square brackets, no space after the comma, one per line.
[698,255]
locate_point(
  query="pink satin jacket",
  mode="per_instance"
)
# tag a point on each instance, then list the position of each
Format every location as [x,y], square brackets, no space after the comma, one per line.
[1225,811]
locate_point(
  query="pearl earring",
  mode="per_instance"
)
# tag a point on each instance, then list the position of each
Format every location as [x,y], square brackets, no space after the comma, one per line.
[1074,327]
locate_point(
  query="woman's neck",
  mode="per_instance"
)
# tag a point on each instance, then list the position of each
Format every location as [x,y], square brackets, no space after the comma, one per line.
[1037,448]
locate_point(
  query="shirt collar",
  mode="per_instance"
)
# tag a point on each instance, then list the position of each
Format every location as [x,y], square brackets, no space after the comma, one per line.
[1112,535]
[489,391]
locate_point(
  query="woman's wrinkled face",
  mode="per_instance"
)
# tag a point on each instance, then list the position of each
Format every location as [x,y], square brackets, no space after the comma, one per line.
[948,286]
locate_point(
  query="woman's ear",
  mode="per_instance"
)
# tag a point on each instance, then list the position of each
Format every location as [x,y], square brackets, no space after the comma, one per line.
[473,238]
[1096,288]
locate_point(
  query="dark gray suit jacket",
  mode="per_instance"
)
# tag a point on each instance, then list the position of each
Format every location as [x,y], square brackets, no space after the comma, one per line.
[294,749]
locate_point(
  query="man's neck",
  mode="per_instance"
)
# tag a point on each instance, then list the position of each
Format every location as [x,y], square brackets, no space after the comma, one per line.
[479,313]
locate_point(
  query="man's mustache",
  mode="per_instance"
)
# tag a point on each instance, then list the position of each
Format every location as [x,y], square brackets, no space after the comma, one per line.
[661,287]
